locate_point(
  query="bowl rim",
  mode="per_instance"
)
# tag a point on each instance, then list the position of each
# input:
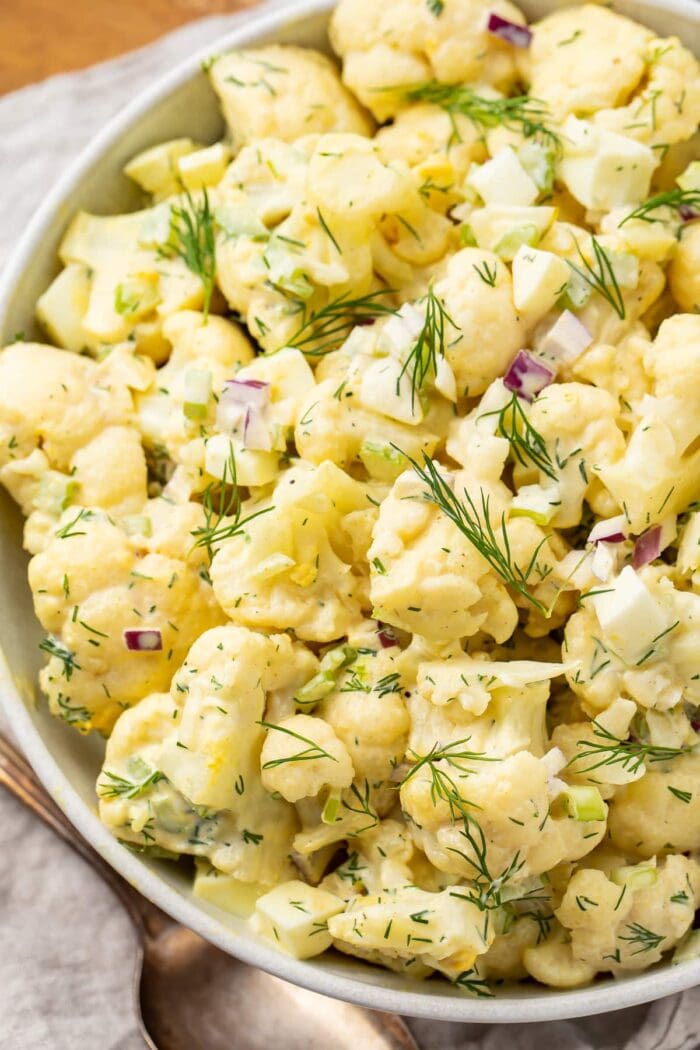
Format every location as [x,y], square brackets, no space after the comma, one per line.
[550,1004]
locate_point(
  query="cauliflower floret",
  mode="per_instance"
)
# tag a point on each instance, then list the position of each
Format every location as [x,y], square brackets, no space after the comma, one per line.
[432,580]
[284,571]
[490,330]
[623,929]
[473,683]
[285,92]
[90,584]
[585,58]
[58,401]
[438,146]
[449,930]
[659,473]
[552,962]
[326,762]
[660,811]
[667,108]
[617,367]
[348,175]
[684,271]
[513,720]
[368,712]
[405,42]
[251,840]
[674,377]
[264,181]
[227,674]
[110,472]
[507,820]
[579,427]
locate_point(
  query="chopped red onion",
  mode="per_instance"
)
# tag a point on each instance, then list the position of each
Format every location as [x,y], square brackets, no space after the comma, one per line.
[611,530]
[138,640]
[387,637]
[247,391]
[687,214]
[527,375]
[566,339]
[512,32]
[647,547]
[695,726]
[256,435]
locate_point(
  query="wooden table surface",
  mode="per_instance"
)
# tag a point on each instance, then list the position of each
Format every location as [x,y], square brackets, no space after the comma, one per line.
[42,37]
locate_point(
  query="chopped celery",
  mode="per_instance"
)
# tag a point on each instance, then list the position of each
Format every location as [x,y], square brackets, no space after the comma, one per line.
[508,245]
[381,460]
[198,386]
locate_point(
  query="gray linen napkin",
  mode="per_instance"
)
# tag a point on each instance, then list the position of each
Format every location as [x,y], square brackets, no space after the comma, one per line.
[66,948]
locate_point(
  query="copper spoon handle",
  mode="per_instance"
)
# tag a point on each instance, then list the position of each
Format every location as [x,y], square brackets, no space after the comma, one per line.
[18,777]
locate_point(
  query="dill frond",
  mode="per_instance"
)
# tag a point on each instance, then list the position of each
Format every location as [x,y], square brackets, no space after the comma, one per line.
[601,276]
[330,325]
[475,524]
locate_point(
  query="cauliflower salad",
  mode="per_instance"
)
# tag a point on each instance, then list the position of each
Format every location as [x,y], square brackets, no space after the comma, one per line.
[361,475]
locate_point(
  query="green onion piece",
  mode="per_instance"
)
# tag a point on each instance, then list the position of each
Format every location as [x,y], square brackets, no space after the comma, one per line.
[583,803]
[339,657]
[507,247]
[330,810]
[315,689]
[634,876]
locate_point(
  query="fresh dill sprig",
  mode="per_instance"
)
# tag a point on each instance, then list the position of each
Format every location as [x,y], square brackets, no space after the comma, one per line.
[53,647]
[527,444]
[646,939]
[121,787]
[488,275]
[220,502]
[472,982]
[676,199]
[328,232]
[601,277]
[354,683]
[68,530]
[486,891]
[309,754]
[72,714]
[193,232]
[331,324]
[423,359]
[529,116]
[363,807]
[475,524]
[390,683]
[453,754]
[613,751]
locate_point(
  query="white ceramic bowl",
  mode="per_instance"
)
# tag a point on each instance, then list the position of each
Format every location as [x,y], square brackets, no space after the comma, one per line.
[183,104]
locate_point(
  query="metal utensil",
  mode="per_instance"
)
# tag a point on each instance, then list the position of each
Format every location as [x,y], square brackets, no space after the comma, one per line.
[192,996]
